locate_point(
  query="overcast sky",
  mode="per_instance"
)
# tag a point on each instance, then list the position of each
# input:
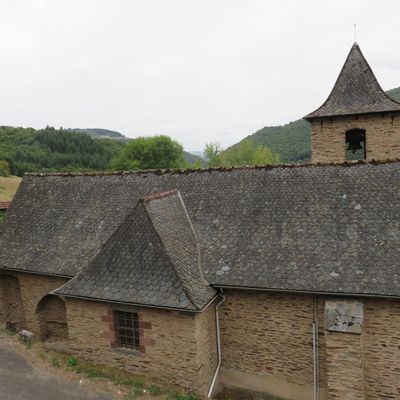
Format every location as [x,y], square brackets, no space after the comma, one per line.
[197,70]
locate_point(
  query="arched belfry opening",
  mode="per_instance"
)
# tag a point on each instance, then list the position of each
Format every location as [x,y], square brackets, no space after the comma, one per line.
[356,148]
[52,318]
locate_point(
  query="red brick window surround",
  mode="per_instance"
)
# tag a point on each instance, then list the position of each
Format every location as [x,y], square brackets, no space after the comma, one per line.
[142,330]
[126,330]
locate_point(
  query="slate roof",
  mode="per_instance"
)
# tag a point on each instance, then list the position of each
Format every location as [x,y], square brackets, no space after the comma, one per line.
[329,228]
[152,259]
[356,91]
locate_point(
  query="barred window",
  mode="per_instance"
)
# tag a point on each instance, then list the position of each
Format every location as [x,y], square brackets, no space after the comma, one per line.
[127,330]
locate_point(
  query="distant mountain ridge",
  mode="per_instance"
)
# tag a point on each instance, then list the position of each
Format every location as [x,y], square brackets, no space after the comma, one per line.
[100,133]
[292,141]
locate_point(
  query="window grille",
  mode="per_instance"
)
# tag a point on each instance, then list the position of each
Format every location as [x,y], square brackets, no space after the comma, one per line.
[127,330]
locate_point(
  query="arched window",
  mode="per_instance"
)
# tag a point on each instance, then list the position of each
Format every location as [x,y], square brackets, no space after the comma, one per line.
[356,148]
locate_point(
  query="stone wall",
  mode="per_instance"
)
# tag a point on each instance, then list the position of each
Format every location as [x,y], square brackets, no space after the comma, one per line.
[267,343]
[33,289]
[267,347]
[345,375]
[51,313]
[381,341]
[382,137]
[11,308]
[174,346]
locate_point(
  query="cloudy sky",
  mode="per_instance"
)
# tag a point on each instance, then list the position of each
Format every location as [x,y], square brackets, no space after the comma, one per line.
[197,70]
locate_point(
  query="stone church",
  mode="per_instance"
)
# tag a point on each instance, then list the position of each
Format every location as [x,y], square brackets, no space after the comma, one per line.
[283,280]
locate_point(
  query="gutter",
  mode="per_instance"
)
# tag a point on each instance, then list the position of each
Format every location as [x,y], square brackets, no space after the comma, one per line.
[214,380]
[54,292]
[27,271]
[278,290]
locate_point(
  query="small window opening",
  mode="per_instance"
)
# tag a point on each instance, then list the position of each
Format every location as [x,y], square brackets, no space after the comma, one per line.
[355,145]
[127,330]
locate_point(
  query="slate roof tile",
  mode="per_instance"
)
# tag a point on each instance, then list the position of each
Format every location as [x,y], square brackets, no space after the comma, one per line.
[152,259]
[356,91]
[327,228]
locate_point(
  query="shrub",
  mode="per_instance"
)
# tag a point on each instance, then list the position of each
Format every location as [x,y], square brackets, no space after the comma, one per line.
[154,390]
[72,362]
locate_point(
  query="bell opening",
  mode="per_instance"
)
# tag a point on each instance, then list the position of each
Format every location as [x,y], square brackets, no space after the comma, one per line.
[355,144]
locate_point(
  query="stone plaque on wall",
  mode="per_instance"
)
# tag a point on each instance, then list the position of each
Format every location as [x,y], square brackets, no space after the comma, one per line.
[344,315]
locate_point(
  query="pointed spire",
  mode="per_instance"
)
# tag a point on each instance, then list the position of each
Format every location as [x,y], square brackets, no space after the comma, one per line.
[356,91]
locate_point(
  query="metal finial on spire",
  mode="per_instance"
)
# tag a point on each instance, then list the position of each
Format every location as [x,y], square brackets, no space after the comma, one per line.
[355,33]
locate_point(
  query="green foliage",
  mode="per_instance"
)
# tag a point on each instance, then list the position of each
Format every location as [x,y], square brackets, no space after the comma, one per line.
[51,150]
[292,142]
[244,153]
[189,396]
[154,390]
[2,216]
[150,152]
[72,362]
[212,152]
[193,160]
[4,168]
[394,94]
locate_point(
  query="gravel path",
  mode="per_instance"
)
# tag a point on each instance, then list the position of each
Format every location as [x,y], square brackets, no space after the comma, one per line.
[19,380]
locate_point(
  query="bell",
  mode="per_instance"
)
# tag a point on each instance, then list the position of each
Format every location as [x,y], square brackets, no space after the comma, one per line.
[354,145]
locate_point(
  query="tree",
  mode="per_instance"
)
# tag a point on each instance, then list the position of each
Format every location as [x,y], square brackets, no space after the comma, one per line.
[4,168]
[149,153]
[212,153]
[244,153]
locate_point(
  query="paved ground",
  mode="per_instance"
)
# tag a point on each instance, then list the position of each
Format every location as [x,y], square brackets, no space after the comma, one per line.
[20,381]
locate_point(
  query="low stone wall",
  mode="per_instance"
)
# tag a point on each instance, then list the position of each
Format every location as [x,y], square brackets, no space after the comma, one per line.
[174,346]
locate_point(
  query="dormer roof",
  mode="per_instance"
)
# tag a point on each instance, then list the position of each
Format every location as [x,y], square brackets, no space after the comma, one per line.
[356,91]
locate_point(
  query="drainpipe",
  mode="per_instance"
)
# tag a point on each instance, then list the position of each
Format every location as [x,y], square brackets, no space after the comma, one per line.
[315,351]
[314,363]
[214,380]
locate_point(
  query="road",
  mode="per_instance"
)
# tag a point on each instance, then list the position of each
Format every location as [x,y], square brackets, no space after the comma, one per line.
[20,381]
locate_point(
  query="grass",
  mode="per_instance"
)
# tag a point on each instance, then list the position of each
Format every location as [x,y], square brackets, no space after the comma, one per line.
[8,187]
[132,386]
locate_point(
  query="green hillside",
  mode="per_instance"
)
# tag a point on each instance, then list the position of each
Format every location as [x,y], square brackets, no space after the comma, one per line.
[60,150]
[394,94]
[52,150]
[293,141]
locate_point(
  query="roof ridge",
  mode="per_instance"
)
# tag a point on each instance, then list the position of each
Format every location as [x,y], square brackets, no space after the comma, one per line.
[347,163]
[159,195]
[184,288]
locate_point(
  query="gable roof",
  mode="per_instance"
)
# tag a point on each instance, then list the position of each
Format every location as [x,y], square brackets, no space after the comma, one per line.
[329,228]
[151,259]
[356,91]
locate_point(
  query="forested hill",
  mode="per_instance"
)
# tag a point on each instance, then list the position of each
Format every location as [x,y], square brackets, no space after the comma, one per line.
[60,150]
[52,150]
[293,141]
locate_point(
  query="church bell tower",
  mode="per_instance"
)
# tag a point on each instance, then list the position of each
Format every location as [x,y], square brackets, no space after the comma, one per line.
[358,121]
